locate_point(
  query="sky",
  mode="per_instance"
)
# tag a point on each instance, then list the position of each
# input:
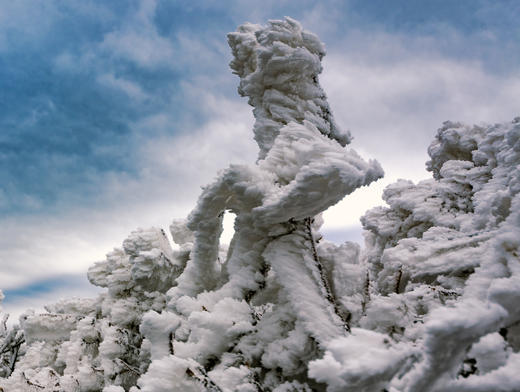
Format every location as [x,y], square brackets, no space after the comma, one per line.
[113,114]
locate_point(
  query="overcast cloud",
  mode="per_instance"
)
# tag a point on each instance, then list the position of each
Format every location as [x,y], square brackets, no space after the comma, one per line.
[113,114]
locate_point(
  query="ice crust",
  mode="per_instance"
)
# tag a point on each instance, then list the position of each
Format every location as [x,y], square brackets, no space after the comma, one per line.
[430,303]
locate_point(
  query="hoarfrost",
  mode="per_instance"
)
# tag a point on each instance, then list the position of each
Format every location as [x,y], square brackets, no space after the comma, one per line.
[430,304]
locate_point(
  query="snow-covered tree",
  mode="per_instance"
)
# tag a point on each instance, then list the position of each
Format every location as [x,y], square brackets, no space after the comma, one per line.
[11,344]
[430,304]
[444,264]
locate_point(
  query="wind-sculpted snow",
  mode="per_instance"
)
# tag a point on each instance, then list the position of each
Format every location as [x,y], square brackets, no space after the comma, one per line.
[430,304]
[278,68]
[447,252]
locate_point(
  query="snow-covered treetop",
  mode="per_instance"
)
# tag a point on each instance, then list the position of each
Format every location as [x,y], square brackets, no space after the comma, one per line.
[278,65]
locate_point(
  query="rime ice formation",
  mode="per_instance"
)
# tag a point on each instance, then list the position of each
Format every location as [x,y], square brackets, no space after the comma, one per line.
[11,341]
[278,68]
[431,304]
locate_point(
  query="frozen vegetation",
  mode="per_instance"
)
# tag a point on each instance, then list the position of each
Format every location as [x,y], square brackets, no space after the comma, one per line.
[430,304]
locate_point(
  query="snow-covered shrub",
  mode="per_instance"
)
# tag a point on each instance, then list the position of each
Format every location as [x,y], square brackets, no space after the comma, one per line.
[430,304]
[84,344]
[11,344]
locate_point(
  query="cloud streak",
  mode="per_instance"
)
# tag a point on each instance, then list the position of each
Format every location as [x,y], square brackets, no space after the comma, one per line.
[43,292]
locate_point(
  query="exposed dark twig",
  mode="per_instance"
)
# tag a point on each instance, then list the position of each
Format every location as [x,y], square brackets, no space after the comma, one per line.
[14,358]
[170,343]
[201,376]
[366,293]
[292,226]
[398,279]
[129,367]
[324,281]
[255,379]
[31,383]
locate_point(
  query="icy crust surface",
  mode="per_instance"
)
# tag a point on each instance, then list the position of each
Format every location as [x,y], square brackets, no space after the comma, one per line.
[430,304]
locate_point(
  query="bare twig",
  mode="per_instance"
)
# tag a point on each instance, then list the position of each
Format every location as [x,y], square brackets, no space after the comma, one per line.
[366,292]
[129,367]
[170,342]
[14,357]
[201,376]
[30,382]
[324,281]
[398,279]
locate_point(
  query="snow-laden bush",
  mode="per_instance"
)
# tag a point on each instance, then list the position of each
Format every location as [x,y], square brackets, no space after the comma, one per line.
[11,344]
[431,304]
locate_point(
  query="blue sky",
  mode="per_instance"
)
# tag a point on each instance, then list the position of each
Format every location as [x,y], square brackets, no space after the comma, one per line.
[114,113]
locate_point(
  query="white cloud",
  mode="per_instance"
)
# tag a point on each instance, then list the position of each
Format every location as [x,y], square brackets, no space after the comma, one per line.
[145,47]
[172,169]
[70,286]
[139,41]
[202,51]
[393,105]
[405,101]
[23,20]
[131,89]
[193,156]
[391,92]
[373,98]
[39,247]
